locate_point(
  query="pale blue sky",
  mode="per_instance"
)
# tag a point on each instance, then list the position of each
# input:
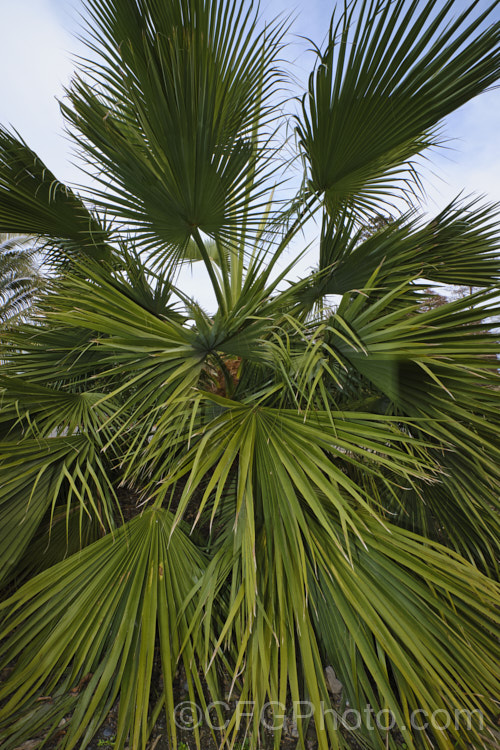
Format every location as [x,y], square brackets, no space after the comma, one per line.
[36,60]
[38,45]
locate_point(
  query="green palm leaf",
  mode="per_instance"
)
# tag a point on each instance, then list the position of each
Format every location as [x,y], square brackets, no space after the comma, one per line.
[106,635]
[458,246]
[33,201]
[38,475]
[388,76]
[182,87]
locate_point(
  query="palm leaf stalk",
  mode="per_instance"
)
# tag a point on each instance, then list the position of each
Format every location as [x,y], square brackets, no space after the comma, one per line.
[250,495]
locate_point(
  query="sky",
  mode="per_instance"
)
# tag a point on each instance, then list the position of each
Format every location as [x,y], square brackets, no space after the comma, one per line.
[38,49]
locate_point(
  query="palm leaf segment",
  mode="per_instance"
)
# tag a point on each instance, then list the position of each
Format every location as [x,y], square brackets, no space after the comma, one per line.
[257,493]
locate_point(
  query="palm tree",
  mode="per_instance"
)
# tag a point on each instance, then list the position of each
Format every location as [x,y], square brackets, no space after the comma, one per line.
[18,276]
[279,486]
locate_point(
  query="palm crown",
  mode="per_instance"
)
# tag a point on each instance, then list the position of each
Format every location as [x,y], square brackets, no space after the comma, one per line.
[281,485]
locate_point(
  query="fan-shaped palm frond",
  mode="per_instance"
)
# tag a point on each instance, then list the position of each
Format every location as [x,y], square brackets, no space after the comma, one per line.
[388,76]
[109,650]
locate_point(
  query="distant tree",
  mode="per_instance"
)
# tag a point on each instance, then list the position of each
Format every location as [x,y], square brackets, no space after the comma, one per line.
[431,299]
[373,225]
[19,276]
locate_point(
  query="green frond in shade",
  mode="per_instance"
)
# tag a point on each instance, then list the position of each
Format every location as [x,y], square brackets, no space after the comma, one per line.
[34,202]
[405,628]
[39,475]
[152,291]
[45,412]
[59,535]
[86,631]
[389,340]
[462,510]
